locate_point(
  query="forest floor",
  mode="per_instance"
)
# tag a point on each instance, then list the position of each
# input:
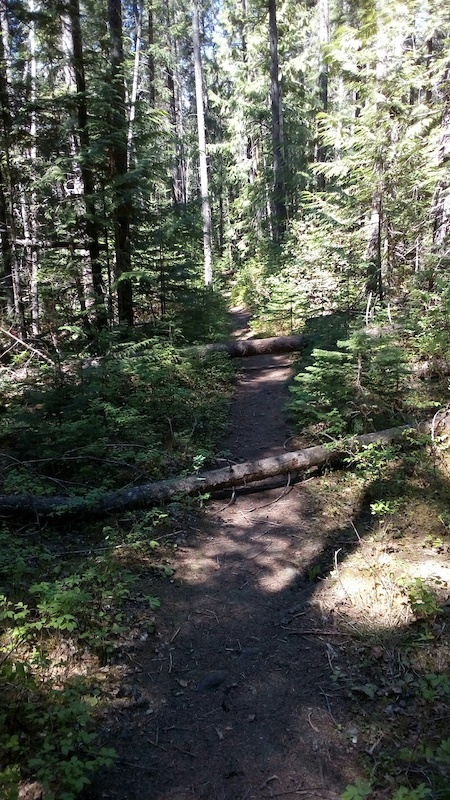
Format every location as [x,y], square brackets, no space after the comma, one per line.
[232,697]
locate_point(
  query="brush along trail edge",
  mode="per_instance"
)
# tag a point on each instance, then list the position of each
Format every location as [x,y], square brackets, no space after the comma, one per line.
[232,476]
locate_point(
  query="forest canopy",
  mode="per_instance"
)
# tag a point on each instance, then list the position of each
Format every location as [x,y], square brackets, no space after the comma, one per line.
[160,161]
[152,147]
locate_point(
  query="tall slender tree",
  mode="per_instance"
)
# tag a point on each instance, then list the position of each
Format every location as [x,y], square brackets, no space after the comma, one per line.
[201,130]
[33,204]
[279,190]
[7,227]
[119,167]
[84,157]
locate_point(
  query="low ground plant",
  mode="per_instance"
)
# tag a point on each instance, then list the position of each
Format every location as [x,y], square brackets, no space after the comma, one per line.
[141,411]
[359,386]
[396,673]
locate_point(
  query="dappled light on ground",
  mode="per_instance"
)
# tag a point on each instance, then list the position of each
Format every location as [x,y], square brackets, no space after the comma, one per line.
[285,605]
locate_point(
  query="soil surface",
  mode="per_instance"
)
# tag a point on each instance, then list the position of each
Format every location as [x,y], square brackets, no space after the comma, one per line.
[232,698]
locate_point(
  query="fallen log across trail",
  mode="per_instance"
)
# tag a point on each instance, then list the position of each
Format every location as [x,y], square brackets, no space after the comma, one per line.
[240,348]
[234,475]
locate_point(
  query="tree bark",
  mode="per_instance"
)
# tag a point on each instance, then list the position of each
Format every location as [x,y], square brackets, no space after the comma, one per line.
[374,283]
[279,190]
[91,228]
[240,348]
[203,166]
[441,203]
[7,229]
[33,208]
[134,88]
[119,171]
[323,12]
[231,476]
[151,56]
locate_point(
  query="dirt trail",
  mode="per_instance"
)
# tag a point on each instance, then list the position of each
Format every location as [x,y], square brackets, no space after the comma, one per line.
[232,699]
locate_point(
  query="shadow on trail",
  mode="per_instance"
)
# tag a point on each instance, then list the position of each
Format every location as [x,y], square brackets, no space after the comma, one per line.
[233,697]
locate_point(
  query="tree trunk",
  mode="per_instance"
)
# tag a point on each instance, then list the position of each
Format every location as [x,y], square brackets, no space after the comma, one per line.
[7,230]
[241,348]
[91,229]
[203,166]
[151,56]
[231,476]
[6,250]
[134,88]
[374,284]
[279,194]
[178,196]
[441,202]
[324,38]
[118,160]
[33,208]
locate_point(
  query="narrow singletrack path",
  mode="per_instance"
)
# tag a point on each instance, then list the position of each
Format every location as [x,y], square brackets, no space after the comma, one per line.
[233,697]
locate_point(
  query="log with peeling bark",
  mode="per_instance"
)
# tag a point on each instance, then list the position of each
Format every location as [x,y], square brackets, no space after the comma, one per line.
[232,476]
[238,348]
[241,348]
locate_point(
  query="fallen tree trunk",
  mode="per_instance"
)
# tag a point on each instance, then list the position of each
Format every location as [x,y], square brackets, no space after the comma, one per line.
[241,348]
[225,478]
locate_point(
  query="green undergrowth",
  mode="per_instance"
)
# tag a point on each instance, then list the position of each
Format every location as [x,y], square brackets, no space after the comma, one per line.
[69,594]
[361,383]
[389,591]
[132,416]
[68,598]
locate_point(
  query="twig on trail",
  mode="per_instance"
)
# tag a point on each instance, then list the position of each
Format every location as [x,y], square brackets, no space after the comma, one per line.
[170,663]
[312,632]
[174,635]
[356,530]
[135,766]
[299,790]
[312,726]
[230,502]
[185,752]
[328,706]
[272,778]
[272,503]
[248,581]
[158,746]
[176,728]
[261,552]
[208,610]
[253,538]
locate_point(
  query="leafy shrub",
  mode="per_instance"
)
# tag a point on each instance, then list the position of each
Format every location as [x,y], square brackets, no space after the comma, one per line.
[46,733]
